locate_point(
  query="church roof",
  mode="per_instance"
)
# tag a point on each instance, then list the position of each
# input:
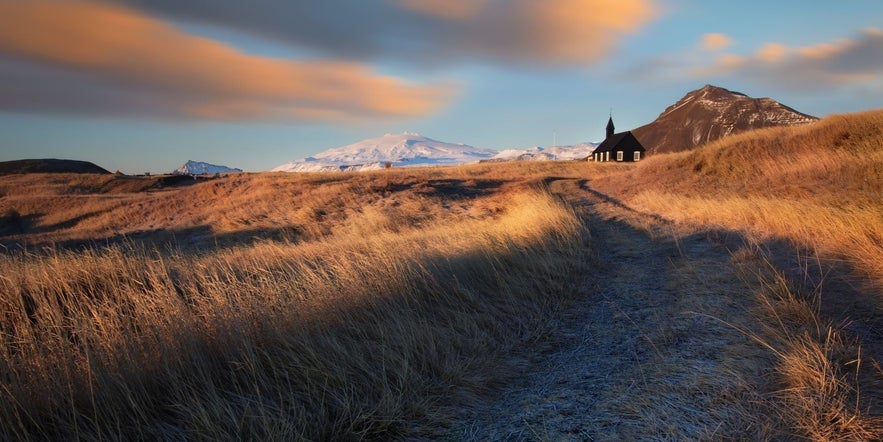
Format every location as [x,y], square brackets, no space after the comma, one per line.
[621,141]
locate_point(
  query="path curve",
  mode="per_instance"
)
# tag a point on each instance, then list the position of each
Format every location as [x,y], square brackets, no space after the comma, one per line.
[643,354]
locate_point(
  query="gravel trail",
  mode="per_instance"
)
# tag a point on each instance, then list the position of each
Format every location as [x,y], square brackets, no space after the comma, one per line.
[644,354]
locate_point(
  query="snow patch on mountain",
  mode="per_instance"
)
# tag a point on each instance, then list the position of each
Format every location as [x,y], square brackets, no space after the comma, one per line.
[399,150]
[554,153]
[200,168]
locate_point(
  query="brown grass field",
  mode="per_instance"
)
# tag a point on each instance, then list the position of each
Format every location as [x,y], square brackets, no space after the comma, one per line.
[354,306]
[817,189]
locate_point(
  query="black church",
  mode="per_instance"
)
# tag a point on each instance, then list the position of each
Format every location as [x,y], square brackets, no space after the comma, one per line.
[618,147]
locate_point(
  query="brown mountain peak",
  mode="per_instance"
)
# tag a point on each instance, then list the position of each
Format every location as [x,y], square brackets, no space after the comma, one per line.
[718,93]
[710,113]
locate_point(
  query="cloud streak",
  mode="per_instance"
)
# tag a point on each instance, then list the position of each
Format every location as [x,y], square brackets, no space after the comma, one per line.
[855,63]
[92,57]
[127,58]
[842,62]
[519,32]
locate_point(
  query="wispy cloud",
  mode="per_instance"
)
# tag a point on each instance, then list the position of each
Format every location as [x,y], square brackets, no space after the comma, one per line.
[133,57]
[94,57]
[527,32]
[844,62]
[855,62]
[714,42]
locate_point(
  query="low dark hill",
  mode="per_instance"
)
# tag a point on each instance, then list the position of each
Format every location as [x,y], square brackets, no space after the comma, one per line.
[711,113]
[49,165]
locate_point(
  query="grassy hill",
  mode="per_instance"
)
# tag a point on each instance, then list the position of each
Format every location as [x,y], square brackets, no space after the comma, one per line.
[818,186]
[375,305]
[818,189]
[282,306]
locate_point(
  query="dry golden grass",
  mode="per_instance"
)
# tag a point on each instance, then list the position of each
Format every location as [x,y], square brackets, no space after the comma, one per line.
[94,208]
[851,232]
[352,306]
[820,188]
[391,298]
[818,368]
[835,158]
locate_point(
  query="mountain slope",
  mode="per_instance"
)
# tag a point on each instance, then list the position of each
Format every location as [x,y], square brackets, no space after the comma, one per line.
[200,168]
[711,113]
[405,149]
[48,165]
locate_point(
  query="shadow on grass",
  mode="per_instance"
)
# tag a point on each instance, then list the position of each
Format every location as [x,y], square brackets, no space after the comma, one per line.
[840,294]
[368,365]
[845,297]
[197,239]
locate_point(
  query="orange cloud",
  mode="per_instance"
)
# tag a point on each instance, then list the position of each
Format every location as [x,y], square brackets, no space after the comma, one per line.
[730,61]
[431,32]
[199,77]
[715,42]
[842,62]
[772,53]
[559,31]
[824,50]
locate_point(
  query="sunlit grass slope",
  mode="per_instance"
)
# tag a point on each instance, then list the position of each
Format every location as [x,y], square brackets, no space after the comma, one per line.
[819,186]
[387,300]
[74,209]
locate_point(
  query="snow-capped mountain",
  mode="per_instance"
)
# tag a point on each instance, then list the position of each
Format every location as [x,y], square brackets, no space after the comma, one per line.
[199,168]
[407,149]
[554,153]
[711,113]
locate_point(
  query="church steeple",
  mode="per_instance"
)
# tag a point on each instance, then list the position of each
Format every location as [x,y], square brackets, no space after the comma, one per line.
[610,127]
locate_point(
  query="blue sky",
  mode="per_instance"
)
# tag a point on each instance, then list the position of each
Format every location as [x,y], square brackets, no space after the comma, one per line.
[145,85]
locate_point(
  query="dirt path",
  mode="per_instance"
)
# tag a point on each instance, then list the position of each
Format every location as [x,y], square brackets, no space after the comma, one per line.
[641,355]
